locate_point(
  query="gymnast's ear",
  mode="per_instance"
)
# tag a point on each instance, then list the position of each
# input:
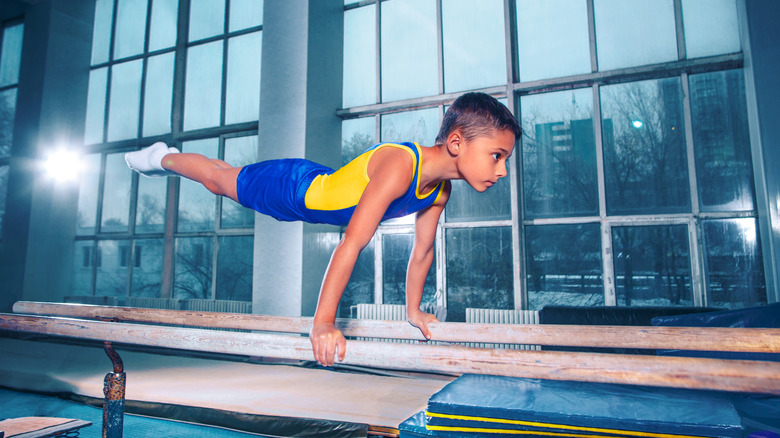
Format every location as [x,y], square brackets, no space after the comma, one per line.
[454,142]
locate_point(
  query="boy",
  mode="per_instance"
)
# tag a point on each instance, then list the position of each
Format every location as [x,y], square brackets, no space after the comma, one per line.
[388,180]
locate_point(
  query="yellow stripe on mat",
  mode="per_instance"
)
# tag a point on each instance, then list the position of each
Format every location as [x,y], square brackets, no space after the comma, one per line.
[537,424]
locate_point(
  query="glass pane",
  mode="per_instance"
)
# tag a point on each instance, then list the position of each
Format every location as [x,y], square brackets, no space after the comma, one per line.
[357,135]
[419,126]
[559,154]
[130,28]
[203,87]
[158,95]
[474,44]
[564,266]
[239,151]
[88,195]
[11,54]
[547,27]
[396,249]
[197,206]
[735,272]
[96,106]
[116,194]
[112,259]
[652,266]
[711,27]
[360,288]
[125,105]
[645,158]
[359,56]
[101,32]
[721,141]
[165,16]
[150,208]
[147,262]
[243,78]
[409,54]
[479,270]
[234,268]
[207,18]
[193,268]
[466,204]
[634,32]
[3,194]
[83,260]
[245,13]
[7,118]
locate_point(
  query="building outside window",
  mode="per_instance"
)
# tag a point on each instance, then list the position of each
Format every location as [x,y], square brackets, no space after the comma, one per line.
[632,184]
[195,87]
[11,34]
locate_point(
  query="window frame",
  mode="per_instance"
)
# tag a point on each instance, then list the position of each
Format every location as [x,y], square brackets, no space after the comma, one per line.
[512,91]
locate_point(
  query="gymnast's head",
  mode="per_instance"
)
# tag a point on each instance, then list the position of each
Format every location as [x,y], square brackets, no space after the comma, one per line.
[477,115]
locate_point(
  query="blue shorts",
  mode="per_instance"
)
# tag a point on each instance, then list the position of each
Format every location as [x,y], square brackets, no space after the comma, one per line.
[277,188]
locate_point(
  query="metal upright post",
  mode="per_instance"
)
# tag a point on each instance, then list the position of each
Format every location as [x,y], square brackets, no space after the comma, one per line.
[114,392]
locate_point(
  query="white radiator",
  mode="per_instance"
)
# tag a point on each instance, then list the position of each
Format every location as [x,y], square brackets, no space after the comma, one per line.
[225,306]
[503,316]
[384,312]
[154,303]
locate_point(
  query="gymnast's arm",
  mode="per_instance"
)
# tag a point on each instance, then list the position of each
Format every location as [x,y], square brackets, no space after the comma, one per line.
[420,262]
[390,172]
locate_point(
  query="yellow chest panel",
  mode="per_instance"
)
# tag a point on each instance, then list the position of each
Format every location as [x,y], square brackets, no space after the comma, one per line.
[343,188]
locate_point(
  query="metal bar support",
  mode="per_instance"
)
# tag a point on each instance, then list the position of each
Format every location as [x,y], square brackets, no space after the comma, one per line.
[114,392]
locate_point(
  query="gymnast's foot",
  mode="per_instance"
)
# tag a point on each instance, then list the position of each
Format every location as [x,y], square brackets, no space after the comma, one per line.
[148,161]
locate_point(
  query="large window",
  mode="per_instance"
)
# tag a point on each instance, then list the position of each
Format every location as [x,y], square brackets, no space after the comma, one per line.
[632,184]
[195,87]
[11,34]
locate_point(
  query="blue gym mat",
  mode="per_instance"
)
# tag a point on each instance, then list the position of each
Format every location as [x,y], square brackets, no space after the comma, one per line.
[480,405]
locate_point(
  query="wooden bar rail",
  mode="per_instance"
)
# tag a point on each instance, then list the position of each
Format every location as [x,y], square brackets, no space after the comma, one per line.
[672,338]
[681,372]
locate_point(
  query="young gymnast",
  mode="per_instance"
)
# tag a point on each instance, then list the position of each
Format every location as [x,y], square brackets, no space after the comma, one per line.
[388,180]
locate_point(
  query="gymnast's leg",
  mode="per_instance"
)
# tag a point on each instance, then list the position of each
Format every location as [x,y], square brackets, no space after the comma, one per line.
[158,159]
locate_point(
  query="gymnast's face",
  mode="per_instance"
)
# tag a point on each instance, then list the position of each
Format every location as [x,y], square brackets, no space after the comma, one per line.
[482,161]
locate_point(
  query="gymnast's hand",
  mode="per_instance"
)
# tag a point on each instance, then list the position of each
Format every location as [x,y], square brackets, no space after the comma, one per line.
[326,342]
[421,320]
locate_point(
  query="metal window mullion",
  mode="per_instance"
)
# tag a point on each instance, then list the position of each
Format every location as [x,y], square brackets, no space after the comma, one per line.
[440,247]
[518,235]
[695,249]
[510,35]
[218,200]
[608,267]
[678,21]
[698,279]
[130,265]
[520,293]
[440,45]
[378,274]
[378,45]
[223,101]
[594,62]
[180,69]
[214,258]
[169,240]
[479,224]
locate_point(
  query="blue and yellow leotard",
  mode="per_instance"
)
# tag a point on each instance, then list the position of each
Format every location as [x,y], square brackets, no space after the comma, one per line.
[301,190]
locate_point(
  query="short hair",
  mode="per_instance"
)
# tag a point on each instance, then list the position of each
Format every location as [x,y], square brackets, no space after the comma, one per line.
[477,114]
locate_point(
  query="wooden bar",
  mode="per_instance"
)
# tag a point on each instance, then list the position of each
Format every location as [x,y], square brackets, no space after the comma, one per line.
[681,372]
[672,338]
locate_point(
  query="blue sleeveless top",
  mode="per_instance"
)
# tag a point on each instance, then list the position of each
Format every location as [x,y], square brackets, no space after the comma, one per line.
[301,190]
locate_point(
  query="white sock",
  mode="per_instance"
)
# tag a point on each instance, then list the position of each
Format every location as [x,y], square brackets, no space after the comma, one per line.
[148,161]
